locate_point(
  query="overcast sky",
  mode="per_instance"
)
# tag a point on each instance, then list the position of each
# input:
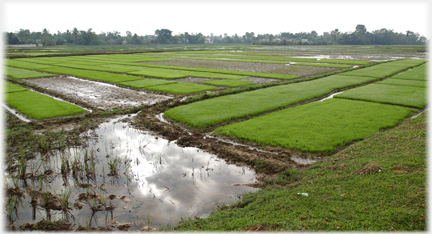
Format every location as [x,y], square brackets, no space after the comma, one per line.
[217,17]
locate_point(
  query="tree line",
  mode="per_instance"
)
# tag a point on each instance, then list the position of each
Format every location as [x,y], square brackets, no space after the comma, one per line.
[360,36]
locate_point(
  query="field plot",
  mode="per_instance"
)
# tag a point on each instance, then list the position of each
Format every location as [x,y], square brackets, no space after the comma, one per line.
[10,87]
[19,73]
[417,73]
[23,64]
[40,106]
[386,69]
[391,94]
[403,82]
[318,126]
[146,83]
[214,111]
[103,96]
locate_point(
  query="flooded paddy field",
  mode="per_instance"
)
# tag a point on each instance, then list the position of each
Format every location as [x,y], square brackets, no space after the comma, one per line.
[136,171]
[123,176]
[97,94]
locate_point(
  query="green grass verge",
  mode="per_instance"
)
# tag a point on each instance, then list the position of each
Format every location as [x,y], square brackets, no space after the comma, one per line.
[417,73]
[181,88]
[415,83]
[94,75]
[214,111]
[229,83]
[385,69]
[11,88]
[392,94]
[19,73]
[145,83]
[319,126]
[40,106]
[378,184]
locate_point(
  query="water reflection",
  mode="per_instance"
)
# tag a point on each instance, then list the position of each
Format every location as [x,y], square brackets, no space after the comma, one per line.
[157,181]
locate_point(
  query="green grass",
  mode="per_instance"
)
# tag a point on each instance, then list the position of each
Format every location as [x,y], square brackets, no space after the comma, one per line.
[391,94]
[11,88]
[417,73]
[214,111]
[40,106]
[94,75]
[393,81]
[375,185]
[181,88]
[385,69]
[19,73]
[175,74]
[146,83]
[229,83]
[319,126]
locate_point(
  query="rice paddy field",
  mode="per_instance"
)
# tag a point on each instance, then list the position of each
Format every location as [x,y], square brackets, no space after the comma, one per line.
[197,138]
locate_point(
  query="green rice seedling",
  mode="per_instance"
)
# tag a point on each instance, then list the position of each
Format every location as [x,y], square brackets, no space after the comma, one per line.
[10,87]
[318,126]
[113,166]
[40,106]
[403,82]
[146,83]
[65,167]
[214,111]
[11,206]
[64,198]
[392,94]
[22,168]
[23,64]
[385,69]
[417,73]
[19,73]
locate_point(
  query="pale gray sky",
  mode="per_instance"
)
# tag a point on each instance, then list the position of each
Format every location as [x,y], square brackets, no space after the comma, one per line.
[217,17]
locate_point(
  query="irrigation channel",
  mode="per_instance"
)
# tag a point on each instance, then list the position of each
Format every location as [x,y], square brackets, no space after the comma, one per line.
[131,177]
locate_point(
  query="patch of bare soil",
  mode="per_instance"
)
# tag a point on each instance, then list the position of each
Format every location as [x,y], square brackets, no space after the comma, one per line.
[261,80]
[249,67]
[97,94]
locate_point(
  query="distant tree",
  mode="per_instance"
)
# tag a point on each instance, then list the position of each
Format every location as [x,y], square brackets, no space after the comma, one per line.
[163,36]
[75,34]
[335,34]
[12,39]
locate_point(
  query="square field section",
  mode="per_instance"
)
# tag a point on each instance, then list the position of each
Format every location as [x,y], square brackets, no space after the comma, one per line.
[319,126]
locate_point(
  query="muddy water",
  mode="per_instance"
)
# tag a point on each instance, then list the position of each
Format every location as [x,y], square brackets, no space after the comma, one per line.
[157,181]
[98,94]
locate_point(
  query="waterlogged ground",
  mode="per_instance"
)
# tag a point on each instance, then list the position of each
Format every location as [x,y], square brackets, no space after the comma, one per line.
[97,94]
[153,180]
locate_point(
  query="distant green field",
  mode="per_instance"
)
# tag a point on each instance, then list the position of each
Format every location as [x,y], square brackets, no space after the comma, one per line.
[40,106]
[214,111]
[417,73]
[385,69]
[318,126]
[181,88]
[229,83]
[23,64]
[146,83]
[94,75]
[391,94]
[19,73]
[274,58]
[321,65]
[11,88]
[175,74]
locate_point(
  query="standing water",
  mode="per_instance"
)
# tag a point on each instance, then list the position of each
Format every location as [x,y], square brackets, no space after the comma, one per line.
[137,178]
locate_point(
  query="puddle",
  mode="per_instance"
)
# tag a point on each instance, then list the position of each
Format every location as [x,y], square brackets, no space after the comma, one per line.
[157,180]
[331,96]
[97,94]
[303,161]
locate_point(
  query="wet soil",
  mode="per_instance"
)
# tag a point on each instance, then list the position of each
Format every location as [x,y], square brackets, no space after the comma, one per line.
[249,67]
[96,94]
